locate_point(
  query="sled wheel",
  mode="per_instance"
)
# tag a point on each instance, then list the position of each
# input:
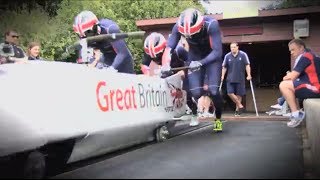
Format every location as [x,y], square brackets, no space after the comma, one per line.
[34,166]
[162,134]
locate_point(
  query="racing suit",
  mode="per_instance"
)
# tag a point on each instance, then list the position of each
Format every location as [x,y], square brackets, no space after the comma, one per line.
[178,58]
[115,54]
[205,47]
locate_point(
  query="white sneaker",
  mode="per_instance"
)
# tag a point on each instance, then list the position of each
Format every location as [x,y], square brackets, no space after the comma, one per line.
[276,106]
[279,113]
[287,114]
[200,115]
[295,121]
[194,121]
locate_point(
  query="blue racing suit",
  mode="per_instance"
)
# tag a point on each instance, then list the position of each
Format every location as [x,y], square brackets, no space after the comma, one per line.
[205,47]
[115,54]
[179,57]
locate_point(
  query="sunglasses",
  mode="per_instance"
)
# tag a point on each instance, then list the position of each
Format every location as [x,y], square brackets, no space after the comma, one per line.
[14,36]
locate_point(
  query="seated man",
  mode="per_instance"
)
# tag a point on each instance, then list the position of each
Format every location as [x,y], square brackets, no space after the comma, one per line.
[302,82]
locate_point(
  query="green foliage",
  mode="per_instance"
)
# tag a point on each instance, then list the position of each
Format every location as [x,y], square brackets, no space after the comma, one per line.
[56,33]
[33,26]
[49,6]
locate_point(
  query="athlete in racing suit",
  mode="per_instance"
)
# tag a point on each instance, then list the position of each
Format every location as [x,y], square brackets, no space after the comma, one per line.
[204,57]
[116,54]
[154,46]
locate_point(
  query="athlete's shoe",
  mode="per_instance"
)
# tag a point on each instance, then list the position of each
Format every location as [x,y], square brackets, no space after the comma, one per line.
[241,111]
[200,114]
[217,126]
[194,121]
[287,114]
[276,106]
[295,121]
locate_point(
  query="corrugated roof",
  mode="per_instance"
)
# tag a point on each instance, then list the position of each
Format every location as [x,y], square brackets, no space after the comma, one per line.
[162,21]
[289,11]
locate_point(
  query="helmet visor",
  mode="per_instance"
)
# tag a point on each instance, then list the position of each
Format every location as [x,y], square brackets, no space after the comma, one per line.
[89,33]
[158,58]
[92,32]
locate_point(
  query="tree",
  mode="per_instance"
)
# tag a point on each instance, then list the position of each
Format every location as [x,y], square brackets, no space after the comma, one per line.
[55,32]
[33,26]
[49,6]
[125,13]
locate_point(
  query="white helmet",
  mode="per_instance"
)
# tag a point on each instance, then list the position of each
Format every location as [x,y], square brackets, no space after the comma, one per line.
[154,45]
[190,22]
[85,23]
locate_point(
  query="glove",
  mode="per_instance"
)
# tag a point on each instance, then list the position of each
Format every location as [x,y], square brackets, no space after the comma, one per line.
[165,68]
[165,71]
[195,66]
[166,74]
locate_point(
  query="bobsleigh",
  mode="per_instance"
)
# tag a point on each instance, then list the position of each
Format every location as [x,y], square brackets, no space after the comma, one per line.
[56,113]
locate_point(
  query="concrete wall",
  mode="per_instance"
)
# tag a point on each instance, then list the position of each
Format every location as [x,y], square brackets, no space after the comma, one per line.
[272,31]
[264,99]
[312,109]
[313,41]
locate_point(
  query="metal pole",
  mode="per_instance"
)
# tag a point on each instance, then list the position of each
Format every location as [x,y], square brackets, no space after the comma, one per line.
[254,98]
[179,68]
[220,87]
[103,37]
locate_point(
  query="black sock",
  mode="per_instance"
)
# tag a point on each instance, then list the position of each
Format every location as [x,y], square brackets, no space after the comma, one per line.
[218,103]
[192,105]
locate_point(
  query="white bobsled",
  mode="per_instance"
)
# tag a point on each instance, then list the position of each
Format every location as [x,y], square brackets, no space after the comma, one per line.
[54,113]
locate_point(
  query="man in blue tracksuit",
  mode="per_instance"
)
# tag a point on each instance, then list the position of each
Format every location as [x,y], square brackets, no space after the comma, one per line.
[204,57]
[236,63]
[154,46]
[115,55]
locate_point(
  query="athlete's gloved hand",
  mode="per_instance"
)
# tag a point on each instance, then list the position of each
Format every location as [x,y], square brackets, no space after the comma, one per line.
[195,66]
[165,71]
[165,68]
